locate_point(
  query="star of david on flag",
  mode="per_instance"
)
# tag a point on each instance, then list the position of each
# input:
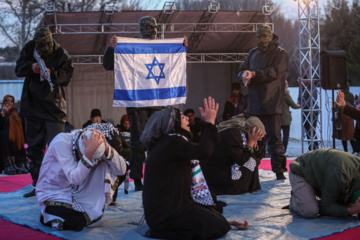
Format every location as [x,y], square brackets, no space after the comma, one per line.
[150,67]
[149,72]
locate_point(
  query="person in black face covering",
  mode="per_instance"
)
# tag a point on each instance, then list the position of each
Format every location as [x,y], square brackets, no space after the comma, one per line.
[137,116]
[264,71]
[43,110]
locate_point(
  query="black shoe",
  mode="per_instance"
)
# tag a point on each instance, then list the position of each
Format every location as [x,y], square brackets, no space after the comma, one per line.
[286,207]
[280,176]
[30,194]
[138,185]
[221,203]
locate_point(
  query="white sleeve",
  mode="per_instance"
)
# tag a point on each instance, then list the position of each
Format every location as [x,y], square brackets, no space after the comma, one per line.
[117,163]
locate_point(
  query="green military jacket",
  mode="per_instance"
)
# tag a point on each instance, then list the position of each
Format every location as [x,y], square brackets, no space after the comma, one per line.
[335,176]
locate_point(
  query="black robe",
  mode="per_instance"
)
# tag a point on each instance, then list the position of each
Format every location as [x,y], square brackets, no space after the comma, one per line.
[170,210]
[230,150]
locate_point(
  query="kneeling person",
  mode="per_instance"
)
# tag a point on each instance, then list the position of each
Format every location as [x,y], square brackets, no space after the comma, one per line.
[77,180]
[330,174]
[233,166]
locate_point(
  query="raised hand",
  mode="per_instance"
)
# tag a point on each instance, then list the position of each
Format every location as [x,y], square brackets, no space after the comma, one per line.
[340,101]
[210,110]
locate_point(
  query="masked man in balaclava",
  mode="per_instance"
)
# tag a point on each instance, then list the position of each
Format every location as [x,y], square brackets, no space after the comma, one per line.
[43,110]
[137,116]
[264,72]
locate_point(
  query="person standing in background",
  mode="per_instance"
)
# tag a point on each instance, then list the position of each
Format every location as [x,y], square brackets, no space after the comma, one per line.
[286,116]
[138,116]
[264,72]
[346,123]
[236,104]
[12,152]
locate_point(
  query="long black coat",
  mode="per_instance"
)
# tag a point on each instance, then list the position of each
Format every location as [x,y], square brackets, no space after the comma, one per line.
[37,101]
[231,150]
[168,204]
[266,89]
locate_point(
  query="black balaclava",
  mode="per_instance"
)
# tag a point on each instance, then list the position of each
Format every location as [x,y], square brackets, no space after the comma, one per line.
[264,36]
[148,27]
[44,44]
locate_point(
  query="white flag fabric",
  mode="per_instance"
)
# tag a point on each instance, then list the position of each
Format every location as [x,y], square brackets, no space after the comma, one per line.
[149,72]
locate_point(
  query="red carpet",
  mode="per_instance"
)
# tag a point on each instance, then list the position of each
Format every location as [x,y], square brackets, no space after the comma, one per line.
[266,164]
[13,231]
[9,230]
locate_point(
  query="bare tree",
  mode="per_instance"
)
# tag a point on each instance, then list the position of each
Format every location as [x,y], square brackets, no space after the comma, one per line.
[241,5]
[18,18]
[95,5]
[286,29]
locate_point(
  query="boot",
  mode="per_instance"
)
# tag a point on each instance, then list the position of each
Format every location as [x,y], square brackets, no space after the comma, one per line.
[8,169]
[30,194]
[138,185]
[17,169]
[20,163]
[280,176]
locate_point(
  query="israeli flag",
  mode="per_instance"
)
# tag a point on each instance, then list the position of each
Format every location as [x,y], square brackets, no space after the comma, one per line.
[149,72]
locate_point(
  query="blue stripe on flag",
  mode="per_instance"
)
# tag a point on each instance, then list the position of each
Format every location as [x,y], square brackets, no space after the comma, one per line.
[147,48]
[149,94]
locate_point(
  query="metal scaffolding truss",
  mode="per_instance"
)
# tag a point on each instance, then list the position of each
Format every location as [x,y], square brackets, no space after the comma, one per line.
[106,17]
[309,51]
[190,58]
[133,28]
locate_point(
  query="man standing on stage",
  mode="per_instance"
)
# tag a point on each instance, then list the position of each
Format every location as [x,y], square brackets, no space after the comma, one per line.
[138,116]
[43,109]
[264,72]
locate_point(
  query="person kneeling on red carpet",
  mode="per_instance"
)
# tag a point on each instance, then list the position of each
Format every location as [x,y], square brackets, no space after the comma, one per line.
[77,180]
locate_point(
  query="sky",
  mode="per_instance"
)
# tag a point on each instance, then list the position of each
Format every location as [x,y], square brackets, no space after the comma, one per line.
[288,7]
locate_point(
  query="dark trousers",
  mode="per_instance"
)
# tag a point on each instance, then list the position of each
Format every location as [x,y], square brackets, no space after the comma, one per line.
[138,119]
[196,222]
[275,146]
[38,135]
[286,133]
[353,145]
[73,220]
